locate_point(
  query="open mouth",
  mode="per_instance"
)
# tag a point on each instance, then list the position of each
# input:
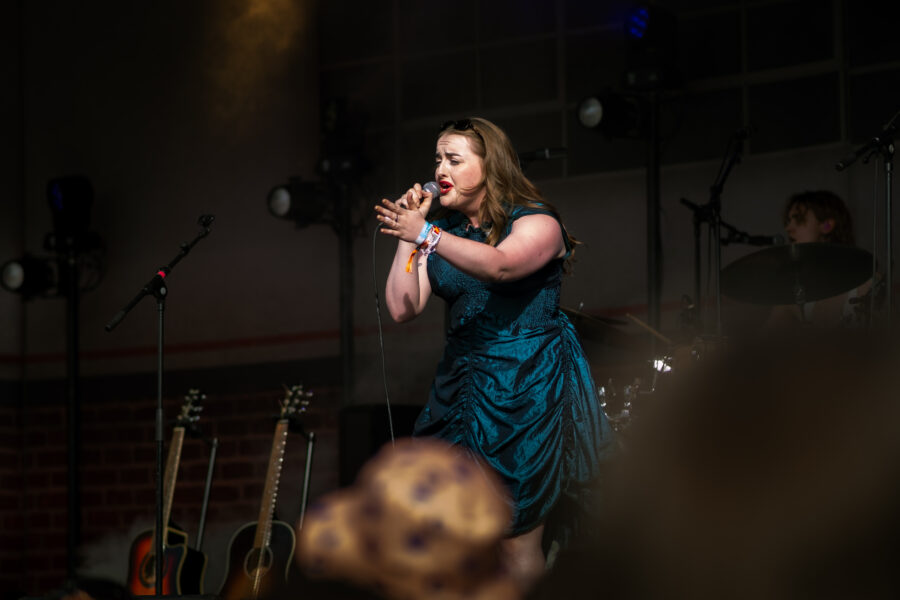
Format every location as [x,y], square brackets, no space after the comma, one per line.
[446,186]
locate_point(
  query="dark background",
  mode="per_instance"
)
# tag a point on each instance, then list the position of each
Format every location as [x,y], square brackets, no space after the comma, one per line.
[177,109]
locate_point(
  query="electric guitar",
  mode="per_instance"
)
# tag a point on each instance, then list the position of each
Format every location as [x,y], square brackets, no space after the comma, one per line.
[260,553]
[183,567]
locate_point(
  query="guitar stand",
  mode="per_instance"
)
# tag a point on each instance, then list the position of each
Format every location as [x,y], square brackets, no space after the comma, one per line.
[214,445]
[310,443]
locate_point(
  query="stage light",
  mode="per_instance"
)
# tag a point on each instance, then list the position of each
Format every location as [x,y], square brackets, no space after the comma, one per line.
[637,21]
[28,276]
[650,48]
[614,115]
[303,202]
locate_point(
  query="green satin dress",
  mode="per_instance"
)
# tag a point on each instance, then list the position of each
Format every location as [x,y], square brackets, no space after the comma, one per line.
[514,386]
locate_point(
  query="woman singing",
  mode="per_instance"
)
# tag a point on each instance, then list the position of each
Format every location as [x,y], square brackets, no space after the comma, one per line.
[513,385]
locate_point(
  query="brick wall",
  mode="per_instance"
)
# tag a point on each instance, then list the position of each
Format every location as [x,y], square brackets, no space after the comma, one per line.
[12,519]
[118,469]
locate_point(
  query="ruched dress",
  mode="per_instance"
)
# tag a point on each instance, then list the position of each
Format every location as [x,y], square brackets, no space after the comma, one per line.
[514,386]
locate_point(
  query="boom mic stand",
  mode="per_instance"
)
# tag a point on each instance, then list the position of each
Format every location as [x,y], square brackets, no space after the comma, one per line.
[711,213]
[882,143]
[156,287]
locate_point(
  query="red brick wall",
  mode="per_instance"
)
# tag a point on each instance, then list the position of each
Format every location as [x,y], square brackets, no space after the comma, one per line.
[118,476]
[12,519]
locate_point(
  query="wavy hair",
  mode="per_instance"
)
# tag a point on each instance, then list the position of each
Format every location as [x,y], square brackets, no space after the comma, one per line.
[504,182]
[824,205]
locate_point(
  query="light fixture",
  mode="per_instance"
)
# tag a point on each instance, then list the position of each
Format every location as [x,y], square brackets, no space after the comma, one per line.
[614,115]
[303,202]
[29,276]
[651,47]
[637,21]
[78,255]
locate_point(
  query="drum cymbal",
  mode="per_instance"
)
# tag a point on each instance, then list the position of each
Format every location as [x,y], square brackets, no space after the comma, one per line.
[796,273]
[602,330]
[577,314]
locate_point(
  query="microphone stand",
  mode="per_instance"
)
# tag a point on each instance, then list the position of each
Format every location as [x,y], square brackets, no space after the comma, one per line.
[710,213]
[156,287]
[882,143]
[737,236]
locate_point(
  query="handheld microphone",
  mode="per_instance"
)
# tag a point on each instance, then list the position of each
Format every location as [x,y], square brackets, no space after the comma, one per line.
[434,188]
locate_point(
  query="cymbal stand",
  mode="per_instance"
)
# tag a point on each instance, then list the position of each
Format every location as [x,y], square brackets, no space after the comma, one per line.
[710,213]
[882,143]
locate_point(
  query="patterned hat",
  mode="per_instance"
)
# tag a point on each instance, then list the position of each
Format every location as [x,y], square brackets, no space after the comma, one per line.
[423,520]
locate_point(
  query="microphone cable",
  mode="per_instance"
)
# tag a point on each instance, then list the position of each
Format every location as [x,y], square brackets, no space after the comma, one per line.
[387,396]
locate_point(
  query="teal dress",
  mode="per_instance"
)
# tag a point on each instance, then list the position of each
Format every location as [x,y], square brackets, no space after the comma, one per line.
[513,385]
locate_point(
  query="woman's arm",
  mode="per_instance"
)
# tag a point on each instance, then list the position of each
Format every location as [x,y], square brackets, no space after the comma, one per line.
[407,292]
[534,240]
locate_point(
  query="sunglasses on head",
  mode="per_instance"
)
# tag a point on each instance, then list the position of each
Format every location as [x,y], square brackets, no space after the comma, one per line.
[460,125]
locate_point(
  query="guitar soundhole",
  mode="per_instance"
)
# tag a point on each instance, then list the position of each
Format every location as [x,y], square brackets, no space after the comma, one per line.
[258,561]
[148,570]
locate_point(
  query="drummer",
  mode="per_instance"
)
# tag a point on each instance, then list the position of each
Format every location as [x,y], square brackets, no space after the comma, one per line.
[821,216]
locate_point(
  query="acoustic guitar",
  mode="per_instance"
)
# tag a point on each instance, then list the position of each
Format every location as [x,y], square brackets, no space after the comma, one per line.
[261,552]
[183,566]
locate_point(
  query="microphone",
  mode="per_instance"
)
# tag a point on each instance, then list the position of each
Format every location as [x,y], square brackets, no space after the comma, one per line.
[434,188]
[765,240]
[856,154]
[887,135]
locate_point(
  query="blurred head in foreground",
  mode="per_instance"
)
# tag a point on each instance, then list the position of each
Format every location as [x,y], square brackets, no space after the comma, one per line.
[423,520]
[770,471]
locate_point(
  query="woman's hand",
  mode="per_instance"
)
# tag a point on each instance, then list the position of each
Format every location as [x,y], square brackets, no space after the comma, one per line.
[404,218]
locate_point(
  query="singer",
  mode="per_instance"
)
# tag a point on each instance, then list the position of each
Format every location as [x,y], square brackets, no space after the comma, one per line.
[513,386]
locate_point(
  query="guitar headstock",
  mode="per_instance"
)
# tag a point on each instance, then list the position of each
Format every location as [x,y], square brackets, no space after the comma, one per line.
[295,402]
[190,410]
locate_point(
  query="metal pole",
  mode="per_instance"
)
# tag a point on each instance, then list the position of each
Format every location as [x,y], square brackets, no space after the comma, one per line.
[888,218]
[206,490]
[73,412]
[345,235]
[160,526]
[654,256]
[310,442]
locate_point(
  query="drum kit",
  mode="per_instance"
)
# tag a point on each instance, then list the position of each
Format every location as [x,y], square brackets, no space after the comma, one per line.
[779,275]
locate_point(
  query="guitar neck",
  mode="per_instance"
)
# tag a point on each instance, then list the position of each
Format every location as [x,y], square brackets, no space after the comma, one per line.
[270,491]
[172,462]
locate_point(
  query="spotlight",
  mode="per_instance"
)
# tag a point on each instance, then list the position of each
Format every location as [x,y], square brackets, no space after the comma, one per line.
[28,276]
[303,202]
[614,115]
[650,42]
[637,21]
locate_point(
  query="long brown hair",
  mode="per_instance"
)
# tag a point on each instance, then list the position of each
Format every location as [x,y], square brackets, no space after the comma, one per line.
[505,184]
